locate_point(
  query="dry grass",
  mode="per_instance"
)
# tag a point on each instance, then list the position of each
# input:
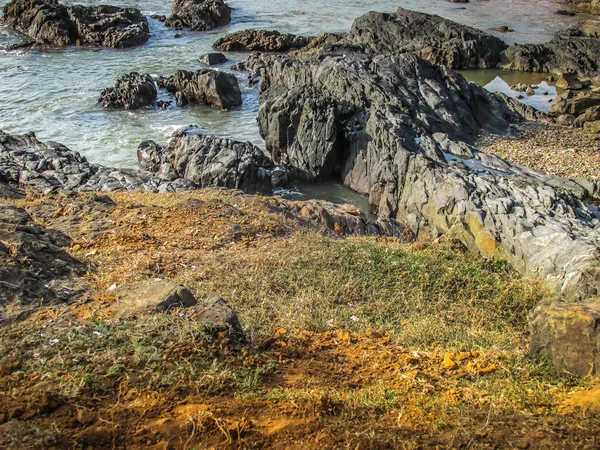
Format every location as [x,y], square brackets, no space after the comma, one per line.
[352,342]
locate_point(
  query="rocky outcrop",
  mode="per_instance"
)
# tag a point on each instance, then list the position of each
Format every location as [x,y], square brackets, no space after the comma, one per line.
[342,219]
[210,161]
[262,41]
[199,15]
[207,87]
[131,91]
[33,266]
[213,59]
[400,130]
[569,335]
[563,54]
[54,24]
[50,167]
[431,37]
[580,109]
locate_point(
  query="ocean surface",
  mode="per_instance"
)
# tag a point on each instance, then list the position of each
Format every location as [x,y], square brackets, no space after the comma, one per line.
[55,92]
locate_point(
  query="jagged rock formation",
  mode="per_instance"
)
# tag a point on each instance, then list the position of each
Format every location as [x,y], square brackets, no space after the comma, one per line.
[49,167]
[431,37]
[563,54]
[210,161]
[207,87]
[580,109]
[131,91]
[51,23]
[399,129]
[33,266]
[199,15]
[261,40]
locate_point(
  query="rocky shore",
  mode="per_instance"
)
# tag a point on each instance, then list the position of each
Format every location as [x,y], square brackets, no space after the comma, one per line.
[378,109]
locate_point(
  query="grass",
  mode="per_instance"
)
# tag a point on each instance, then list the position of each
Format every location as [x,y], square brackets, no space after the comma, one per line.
[345,338]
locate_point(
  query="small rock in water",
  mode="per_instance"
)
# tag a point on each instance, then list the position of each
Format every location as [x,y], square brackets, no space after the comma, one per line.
[503,29]
[212,59]
[458,1]
[158,17]
[569,81]
[177,36]
[520,87]
[564,12]
[530,91]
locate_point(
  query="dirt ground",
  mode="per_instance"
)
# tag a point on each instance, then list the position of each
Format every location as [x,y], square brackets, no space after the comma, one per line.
[358,343]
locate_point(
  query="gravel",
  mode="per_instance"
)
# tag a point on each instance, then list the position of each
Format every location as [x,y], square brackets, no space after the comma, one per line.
[554,150]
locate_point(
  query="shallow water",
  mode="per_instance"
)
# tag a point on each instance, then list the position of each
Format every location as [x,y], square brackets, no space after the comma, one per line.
[54,92]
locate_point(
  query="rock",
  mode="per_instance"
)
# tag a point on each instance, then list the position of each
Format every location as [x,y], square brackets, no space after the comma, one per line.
[583,107]
[215,313]
[210,161]
[85,416]
[431,37]
[199,15]
[564,12]
[52,167]
[404,130]
[208,87]
[529,91]
[569,81]
[568,334]
[51,23]
[213,59]
[131,91]
[503,29]
[11,193]
[342,220]
[519,87]
[158,17]
[150,156]
[563,54]
[150,296]
[261,40]
[35,267]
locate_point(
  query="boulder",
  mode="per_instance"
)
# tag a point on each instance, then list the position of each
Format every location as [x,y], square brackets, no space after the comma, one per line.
[150,156]
[210,161]
[569,81]
[404,135]
[149,296]
[208,87]
[569,335]
[131,91]
[51,23]
[431,37]
[261,40]
[563,54]
[199,15]
[216,314]
[583,107]
[213,59]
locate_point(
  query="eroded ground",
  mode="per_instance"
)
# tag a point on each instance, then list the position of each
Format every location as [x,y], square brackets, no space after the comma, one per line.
[351,342]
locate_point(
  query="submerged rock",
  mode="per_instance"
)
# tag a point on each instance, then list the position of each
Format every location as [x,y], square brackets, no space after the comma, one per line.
[431,37]
[568,334]
[399,130]
[51,23]
[207,87]
[131,91]
[261,40]
[199,15]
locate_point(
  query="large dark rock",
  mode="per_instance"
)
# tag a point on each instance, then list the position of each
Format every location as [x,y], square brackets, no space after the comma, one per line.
[51,23]
[208,87]
[50,167]
[210,161]
[563,54]
[400,130]
[34,270]
[261,40]
[582,109]
[131,91]
[568,334]
[199,15]
[431,37]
